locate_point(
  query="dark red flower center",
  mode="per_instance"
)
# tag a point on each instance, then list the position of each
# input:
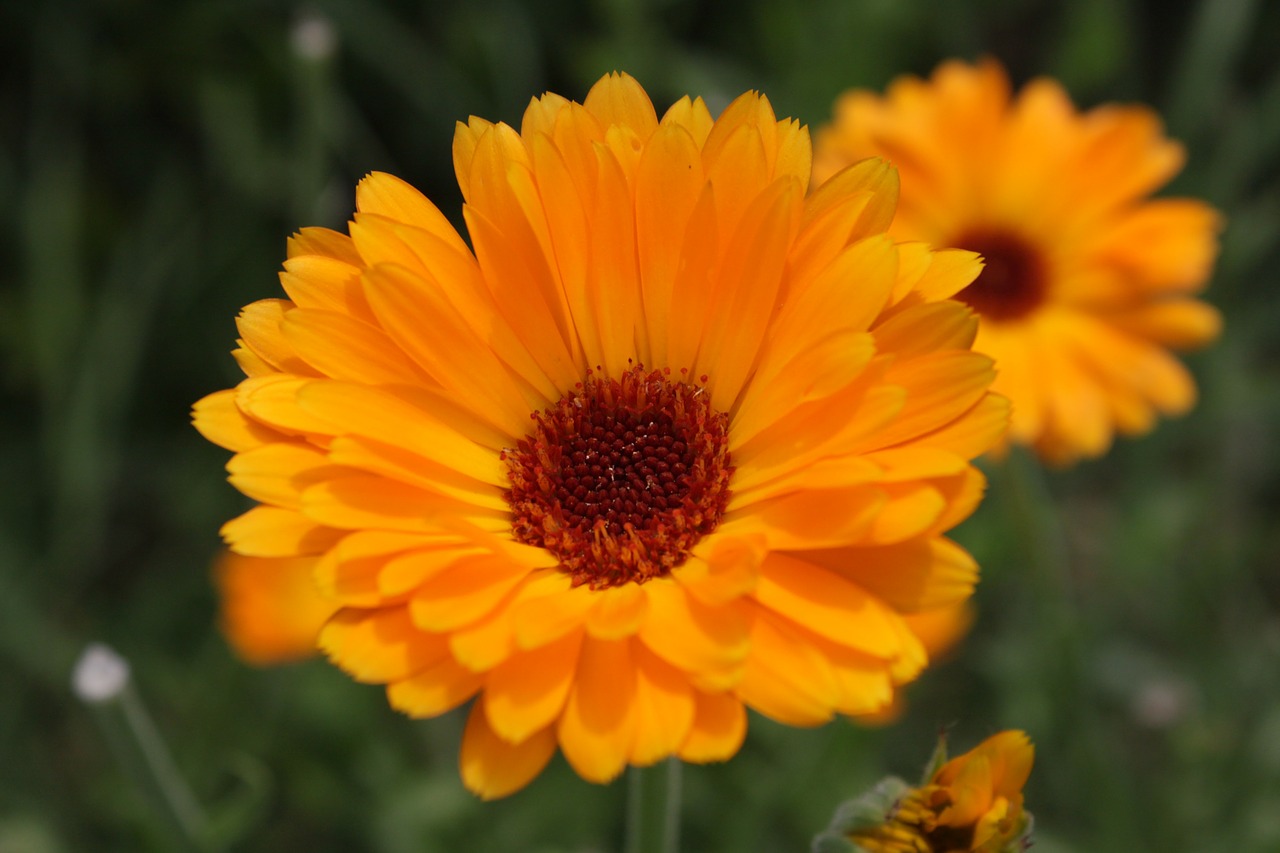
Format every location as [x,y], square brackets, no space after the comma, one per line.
[1013,279]
[622,477]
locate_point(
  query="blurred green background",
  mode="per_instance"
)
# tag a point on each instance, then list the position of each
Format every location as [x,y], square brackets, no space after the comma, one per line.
[153,158]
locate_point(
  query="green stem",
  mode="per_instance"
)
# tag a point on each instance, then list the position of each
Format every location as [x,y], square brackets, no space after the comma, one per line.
[653,808]
[138,745]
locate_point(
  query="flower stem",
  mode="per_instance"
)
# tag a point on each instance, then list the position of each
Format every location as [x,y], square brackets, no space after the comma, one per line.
[653,808]
[102,681]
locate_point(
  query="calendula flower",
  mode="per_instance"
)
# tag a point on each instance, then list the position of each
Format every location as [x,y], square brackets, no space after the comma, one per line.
[669,438]
[971,803]
[272,610]
[1088,283]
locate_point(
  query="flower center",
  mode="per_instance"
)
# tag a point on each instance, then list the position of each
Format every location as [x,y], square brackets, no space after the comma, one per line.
[1013,280]
[911,826]
[622,477]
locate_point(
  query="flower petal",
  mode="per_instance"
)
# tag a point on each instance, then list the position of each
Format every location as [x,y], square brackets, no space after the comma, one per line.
[492,767]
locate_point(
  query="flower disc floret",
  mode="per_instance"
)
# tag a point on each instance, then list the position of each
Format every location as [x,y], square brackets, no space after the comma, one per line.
[621,477]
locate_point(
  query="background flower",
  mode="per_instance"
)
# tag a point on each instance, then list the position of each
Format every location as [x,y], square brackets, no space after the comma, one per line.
[1087,281]
[272,611]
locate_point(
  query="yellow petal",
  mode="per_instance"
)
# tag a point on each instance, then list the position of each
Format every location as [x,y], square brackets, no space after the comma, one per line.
[492,767]
[430,692]
[219,419]
[786,678]
[340,346]
[277,473]
[617,612]
[709,642]
[827,604]
[464,591]
[268,531]
[719,727]
[618,99]
[380,645]
[525,693]
[598,722]
[664,709]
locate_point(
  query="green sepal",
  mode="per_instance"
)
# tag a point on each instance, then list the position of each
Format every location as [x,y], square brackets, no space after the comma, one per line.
[935,762]
[860,814]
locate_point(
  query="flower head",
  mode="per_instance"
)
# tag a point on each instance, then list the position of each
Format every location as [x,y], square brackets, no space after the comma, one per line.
[971,803]
[1087,282]
[669,438]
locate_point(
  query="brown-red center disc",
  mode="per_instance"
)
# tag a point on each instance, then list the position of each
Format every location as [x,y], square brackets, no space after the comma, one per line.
[1013,278]
[621,477]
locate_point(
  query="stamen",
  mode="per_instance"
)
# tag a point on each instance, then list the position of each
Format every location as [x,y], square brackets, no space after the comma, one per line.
[622,476]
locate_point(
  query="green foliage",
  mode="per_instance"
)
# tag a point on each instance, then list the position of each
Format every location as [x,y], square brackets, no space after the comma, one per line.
[154,157]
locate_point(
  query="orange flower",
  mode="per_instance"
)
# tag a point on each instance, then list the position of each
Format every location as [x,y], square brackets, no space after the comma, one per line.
[1087,282]
[272,611]
[668,440]
[971,803]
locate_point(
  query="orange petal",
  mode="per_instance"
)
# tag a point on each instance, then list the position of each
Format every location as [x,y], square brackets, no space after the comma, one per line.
[618,99]
[786,678]
[377,646]
[268,531]
[219,419]
[664,709]
[596,728]
[463,592]
[827,604]
[276,473]
[430,692]
[719,727]
[724,568]
[526,692]
[617,612]
[346,348]
[316,281]
[707,642]
[492,767]
[259,327]
[919,574]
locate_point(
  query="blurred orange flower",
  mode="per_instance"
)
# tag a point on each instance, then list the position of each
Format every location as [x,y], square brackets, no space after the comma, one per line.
[971,803]
[1087,282]
[675,438]
[272,611]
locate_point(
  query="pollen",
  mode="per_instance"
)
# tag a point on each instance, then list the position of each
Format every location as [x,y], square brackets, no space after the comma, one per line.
[622,477]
